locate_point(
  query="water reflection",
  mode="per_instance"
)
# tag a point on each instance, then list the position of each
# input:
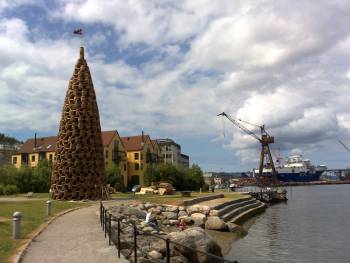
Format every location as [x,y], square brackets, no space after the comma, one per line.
[312,227]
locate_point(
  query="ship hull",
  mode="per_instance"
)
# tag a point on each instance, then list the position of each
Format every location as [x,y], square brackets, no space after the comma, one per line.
[298,177]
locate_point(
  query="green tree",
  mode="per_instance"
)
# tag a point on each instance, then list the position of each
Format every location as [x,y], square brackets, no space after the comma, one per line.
[195,177]
[24,178]
[115,178]
[8,174]
[180,177]
[41,176]
[8,140]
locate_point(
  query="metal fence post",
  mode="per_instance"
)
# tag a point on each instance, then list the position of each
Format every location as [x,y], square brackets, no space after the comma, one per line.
[110,229]
[119,238]
[167,250]
[135,244]
[103,219]
[16,217]
[48,208]
[105,222]
[101,213]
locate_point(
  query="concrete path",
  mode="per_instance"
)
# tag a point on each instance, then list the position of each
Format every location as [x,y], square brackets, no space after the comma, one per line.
[74,237]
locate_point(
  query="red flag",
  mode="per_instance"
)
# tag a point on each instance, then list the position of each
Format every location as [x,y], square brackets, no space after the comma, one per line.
[78,31]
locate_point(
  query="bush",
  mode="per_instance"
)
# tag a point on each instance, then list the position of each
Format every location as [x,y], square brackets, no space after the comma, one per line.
[2,189]
[10,189]
[180,177]
[27,179]
[115,178]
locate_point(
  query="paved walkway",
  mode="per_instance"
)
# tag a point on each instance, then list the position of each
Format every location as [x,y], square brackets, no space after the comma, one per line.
[74,237]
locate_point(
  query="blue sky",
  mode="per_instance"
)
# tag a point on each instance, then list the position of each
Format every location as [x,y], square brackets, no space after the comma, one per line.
[169,67]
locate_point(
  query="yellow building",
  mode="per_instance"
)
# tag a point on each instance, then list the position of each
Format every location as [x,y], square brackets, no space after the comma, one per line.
[37,149]
[34,150]
[114,152]
[141,153]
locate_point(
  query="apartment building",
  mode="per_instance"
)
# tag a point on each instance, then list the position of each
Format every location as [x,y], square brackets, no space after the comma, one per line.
[36,149]
[141,153]
[170,152]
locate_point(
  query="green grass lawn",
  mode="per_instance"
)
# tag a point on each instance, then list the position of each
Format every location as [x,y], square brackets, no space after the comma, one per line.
[33,215]
[175,199]
[35,196]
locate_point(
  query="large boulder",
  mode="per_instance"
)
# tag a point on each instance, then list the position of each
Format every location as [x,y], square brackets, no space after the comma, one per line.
[170,215]
[172,208]
[198,219]
[155,254]
[195,238]
[179,259]
[182,213]
[186,219]
[215,223]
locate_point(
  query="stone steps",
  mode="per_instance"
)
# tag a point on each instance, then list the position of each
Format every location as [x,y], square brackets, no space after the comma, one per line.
[230,207]
[225,204]
[239,219]
[201,199]
[241,208]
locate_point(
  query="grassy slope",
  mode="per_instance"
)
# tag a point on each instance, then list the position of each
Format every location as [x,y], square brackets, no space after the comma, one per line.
[33,215]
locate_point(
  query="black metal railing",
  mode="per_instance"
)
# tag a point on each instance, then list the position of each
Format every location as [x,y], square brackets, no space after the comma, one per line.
[106,225]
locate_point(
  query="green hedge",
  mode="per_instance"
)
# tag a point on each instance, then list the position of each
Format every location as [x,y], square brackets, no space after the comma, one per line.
[180,177]
[26,179]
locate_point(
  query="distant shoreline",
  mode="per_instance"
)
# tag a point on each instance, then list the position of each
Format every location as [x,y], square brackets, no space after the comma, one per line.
[315,183]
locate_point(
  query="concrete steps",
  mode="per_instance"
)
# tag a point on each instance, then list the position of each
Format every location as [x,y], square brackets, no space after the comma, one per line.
[231,202]
[240,209]
[226,210]
[239,219]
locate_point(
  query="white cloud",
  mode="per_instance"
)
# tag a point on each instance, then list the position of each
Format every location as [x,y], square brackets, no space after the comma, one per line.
[283,64]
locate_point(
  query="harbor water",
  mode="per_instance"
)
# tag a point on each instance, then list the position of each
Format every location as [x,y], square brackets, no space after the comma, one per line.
[313,226]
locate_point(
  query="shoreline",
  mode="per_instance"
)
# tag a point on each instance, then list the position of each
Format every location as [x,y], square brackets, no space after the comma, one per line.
[227,239]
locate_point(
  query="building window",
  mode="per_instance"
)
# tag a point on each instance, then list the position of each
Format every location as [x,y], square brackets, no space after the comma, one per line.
[33,158]
[115,152]
[14,160]
[141,156]
[136,156]
[141,166]
[50,157]
[106,154]
[124,167]
[137,166]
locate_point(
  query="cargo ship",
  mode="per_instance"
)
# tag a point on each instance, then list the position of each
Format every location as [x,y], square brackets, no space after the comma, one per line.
[295,169]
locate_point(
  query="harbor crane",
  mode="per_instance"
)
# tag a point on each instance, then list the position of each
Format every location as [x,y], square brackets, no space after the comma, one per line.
[346,147]
[265,139]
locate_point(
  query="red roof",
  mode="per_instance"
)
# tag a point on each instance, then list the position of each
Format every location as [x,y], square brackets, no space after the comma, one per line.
[134,143]
[44,144]
[48,144]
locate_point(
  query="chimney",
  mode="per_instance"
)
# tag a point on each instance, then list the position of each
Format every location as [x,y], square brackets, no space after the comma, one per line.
[142,137]
[35,141]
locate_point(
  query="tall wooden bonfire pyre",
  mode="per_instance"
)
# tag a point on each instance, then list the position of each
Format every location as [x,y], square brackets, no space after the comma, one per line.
[78,171]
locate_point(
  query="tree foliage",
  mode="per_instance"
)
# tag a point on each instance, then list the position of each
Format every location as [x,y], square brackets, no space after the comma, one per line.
[27,179]
[115,178]
[8,140]
[180,177]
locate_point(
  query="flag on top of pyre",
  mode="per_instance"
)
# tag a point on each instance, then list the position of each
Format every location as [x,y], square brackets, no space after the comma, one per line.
[78,31]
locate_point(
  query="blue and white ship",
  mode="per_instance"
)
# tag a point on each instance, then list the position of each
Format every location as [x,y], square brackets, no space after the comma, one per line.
[295,169]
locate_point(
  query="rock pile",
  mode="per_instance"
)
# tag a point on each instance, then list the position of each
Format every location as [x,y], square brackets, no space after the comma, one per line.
[151,248]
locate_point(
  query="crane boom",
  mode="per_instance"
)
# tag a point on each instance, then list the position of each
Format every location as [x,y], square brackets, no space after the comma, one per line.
[240,126]
[265,140]
[346,147]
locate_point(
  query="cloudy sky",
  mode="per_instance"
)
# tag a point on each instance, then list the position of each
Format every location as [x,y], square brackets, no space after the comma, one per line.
[169,67]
